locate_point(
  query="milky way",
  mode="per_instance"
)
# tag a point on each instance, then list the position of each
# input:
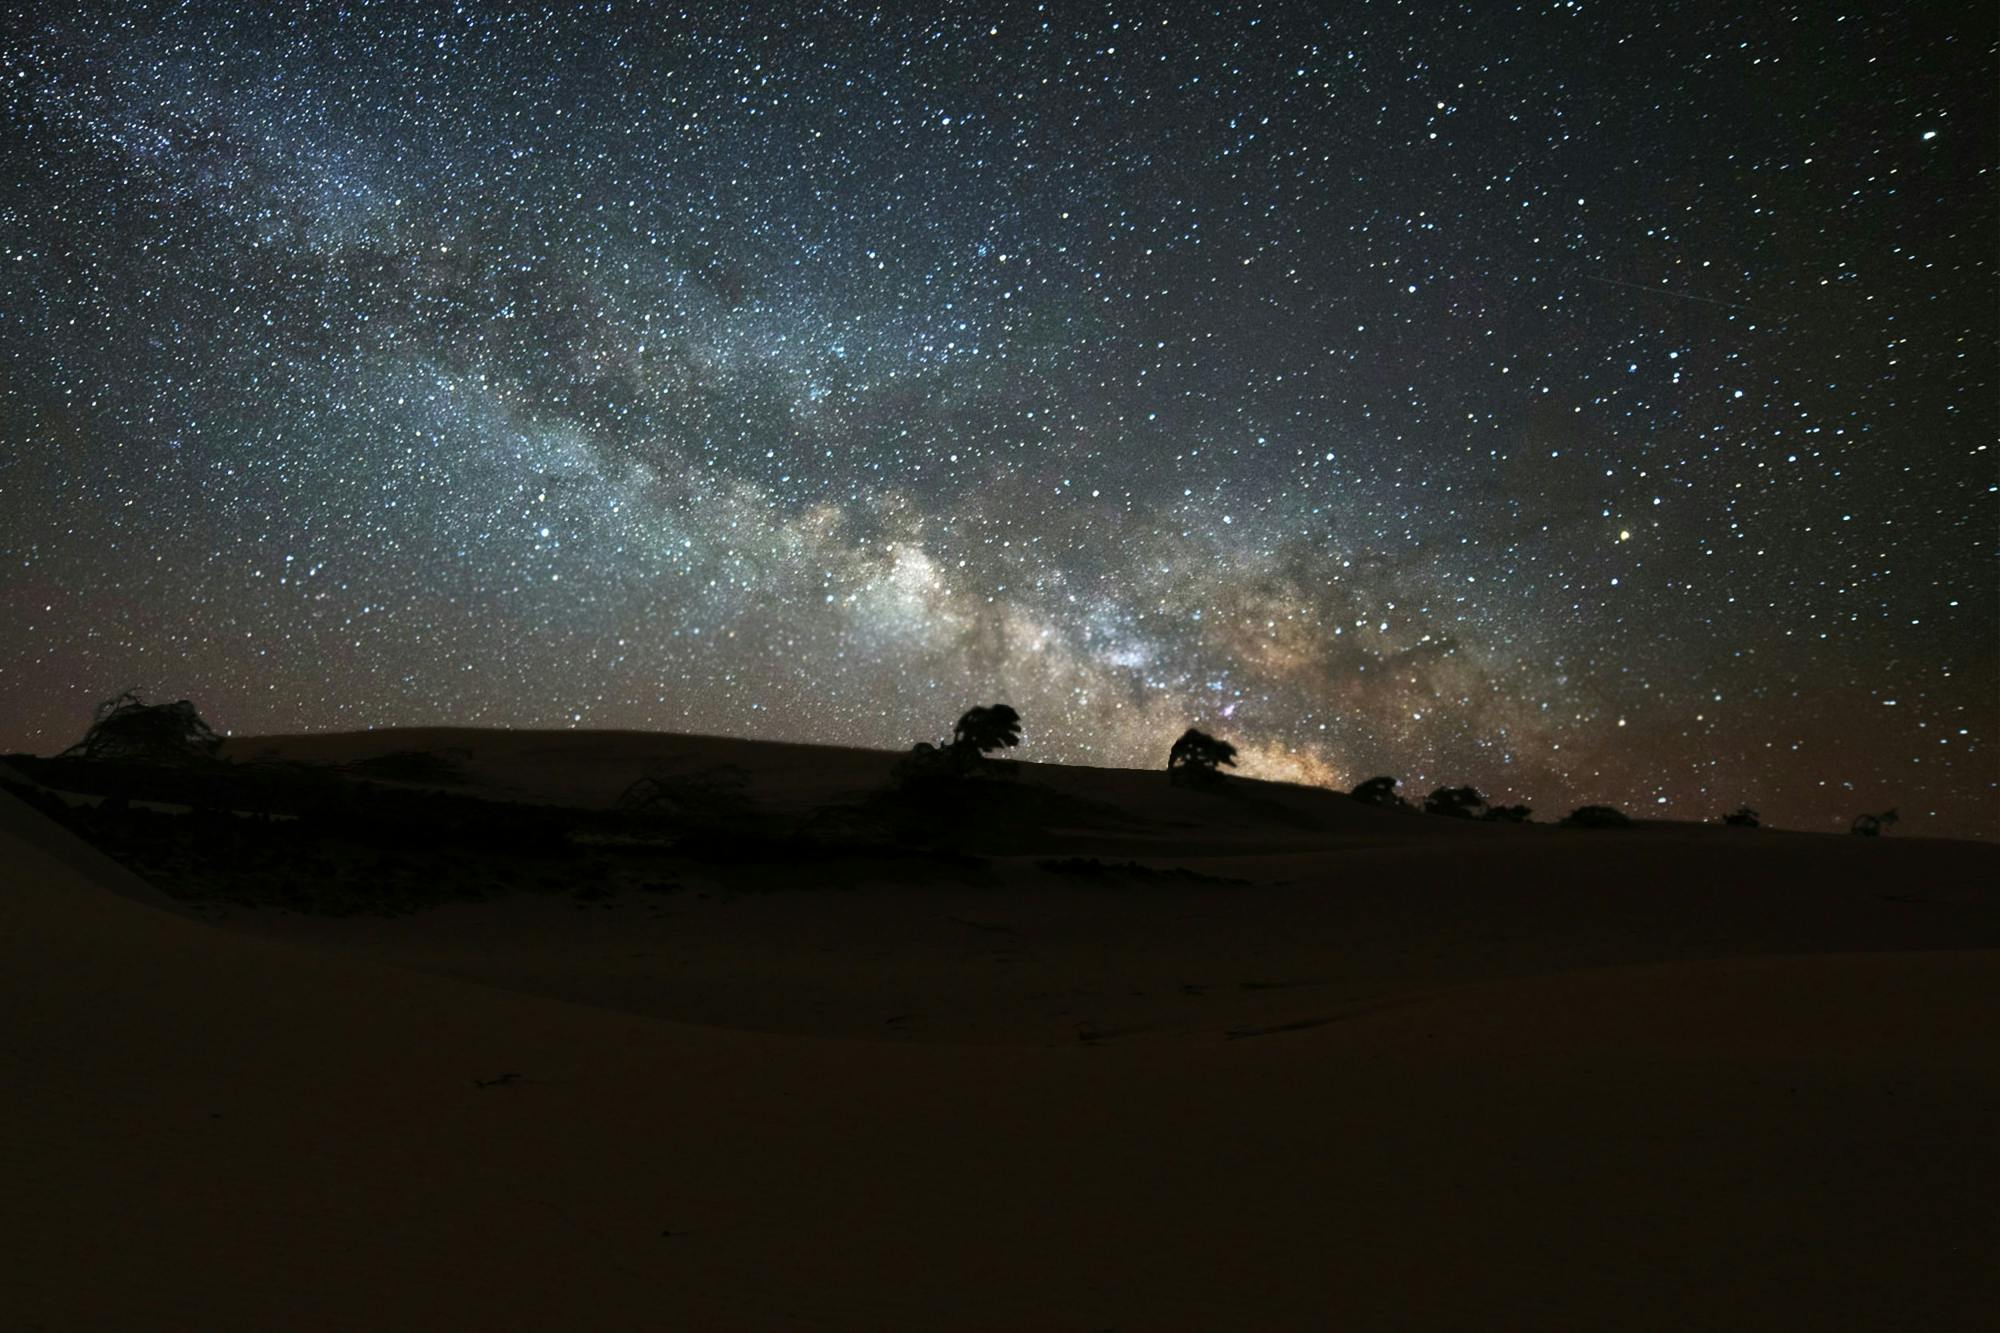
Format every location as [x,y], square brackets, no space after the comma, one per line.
[1586,402]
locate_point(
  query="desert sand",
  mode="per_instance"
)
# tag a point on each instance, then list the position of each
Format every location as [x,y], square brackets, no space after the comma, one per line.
[1133,1057]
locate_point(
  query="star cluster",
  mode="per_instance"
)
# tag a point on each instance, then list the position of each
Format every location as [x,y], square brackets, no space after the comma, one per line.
[1586,402]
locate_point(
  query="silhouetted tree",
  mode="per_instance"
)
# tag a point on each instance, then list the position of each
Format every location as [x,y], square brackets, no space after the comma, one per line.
[1377,791]
[979,730]
[1597,816]
[1198,757]
[1508,814]
[983,730]
[1872,826]
[1458,802]
[129,730]
[1742,817]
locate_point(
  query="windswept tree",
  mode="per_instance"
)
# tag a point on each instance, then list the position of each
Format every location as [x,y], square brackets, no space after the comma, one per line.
[1458,802]
[1199,758]
[1508,814]
[126,729]
[1873,826]
[979,732]
[1742,817]
[983,730]
[1377,791]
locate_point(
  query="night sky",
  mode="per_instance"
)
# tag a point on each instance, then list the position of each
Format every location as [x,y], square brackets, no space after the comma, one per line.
[1588,402]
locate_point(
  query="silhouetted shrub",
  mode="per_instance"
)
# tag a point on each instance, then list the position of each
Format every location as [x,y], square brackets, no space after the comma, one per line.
[1377,791]
[925,762]
[1508,814]
[1742,817]
[1597,816]
[1872,826]
[1458,802]
[129,730]
[1198,758]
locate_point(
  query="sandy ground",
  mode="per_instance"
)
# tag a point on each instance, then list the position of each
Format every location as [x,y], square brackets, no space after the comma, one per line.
[1407,1074]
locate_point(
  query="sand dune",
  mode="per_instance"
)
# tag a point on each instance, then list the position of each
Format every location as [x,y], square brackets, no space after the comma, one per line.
[1294,899]
[1720,1112]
